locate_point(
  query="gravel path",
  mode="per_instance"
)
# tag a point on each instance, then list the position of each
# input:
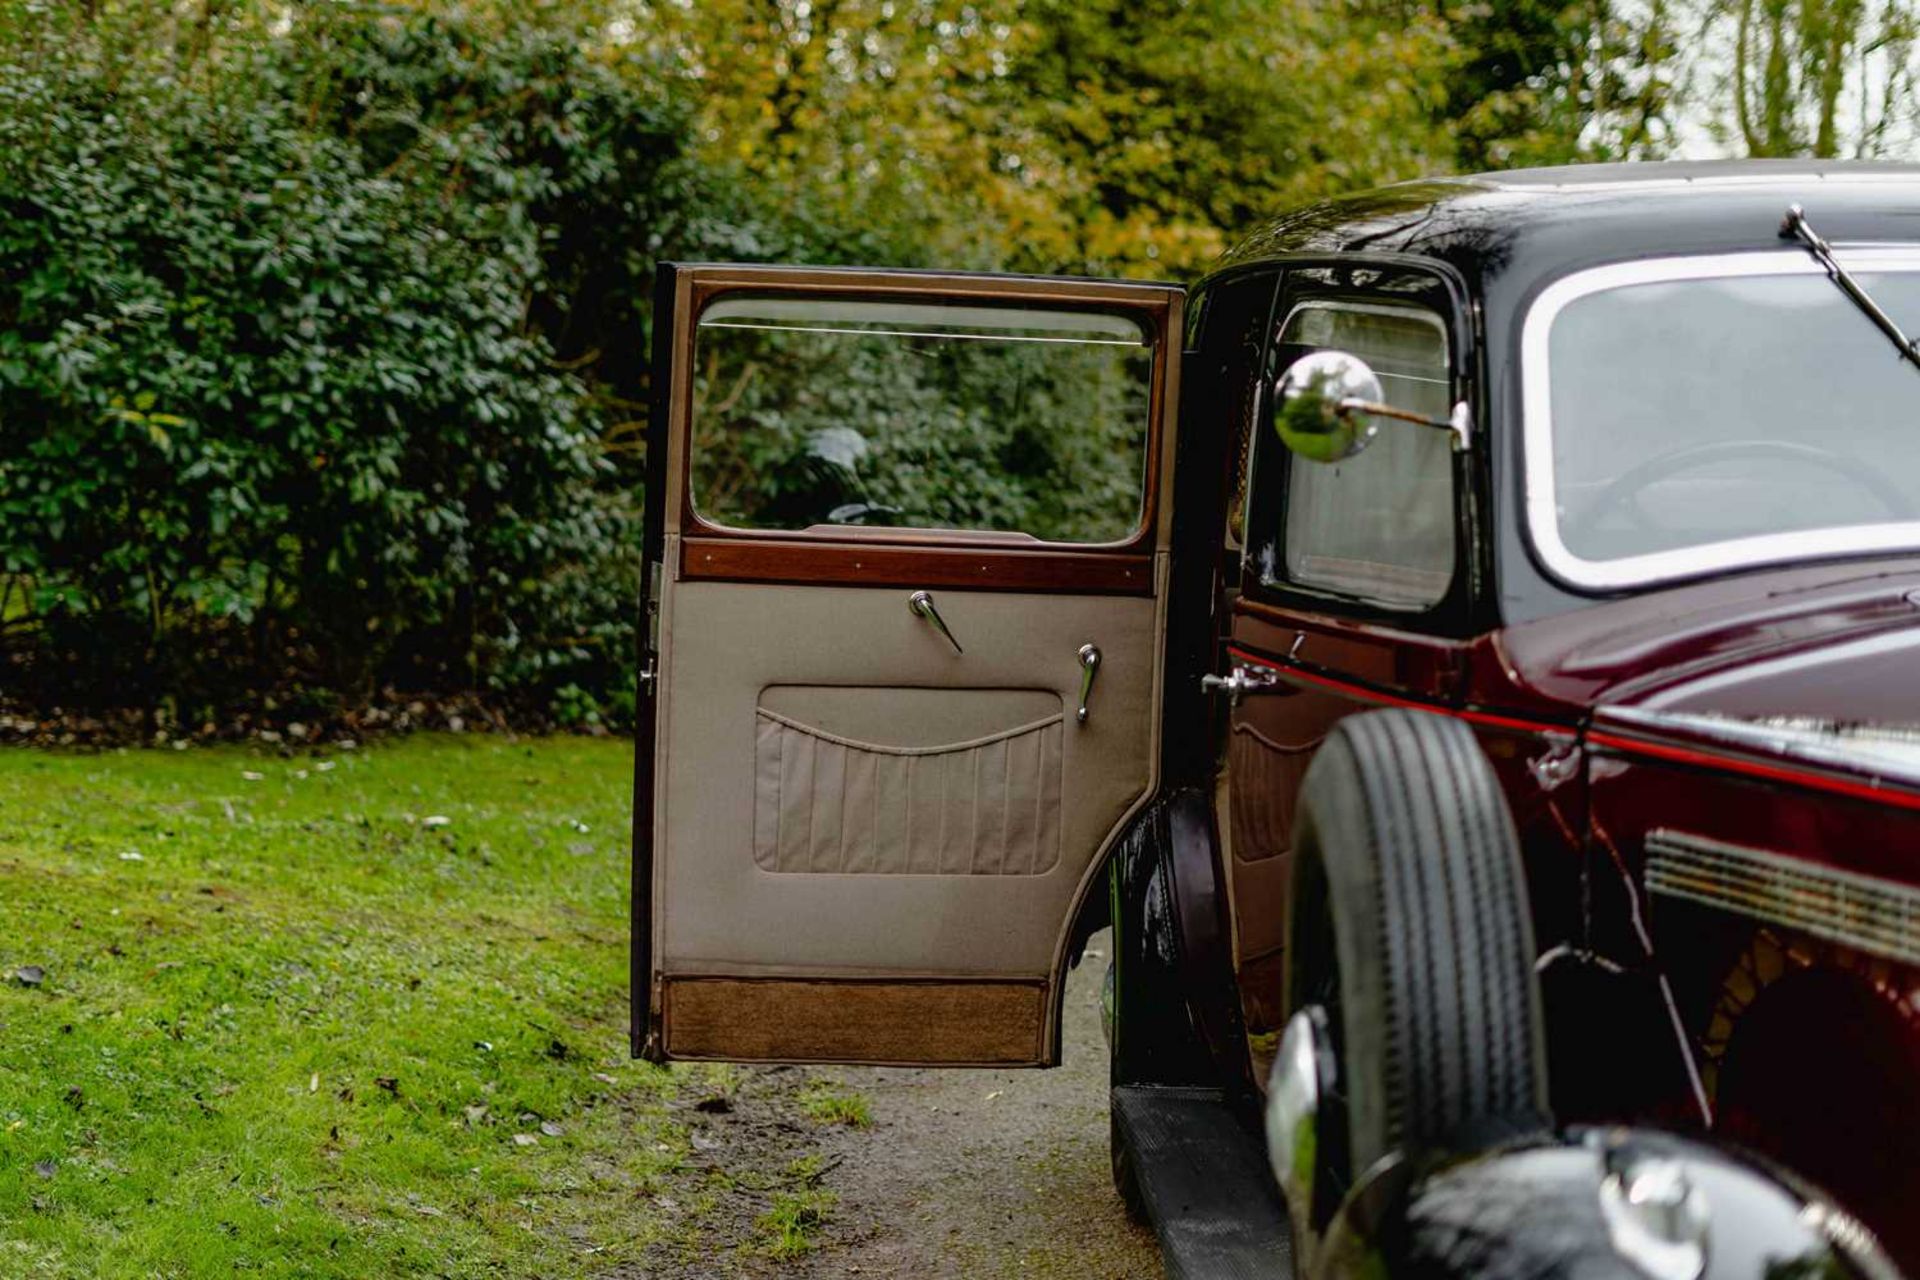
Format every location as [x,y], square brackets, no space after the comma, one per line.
[960,1173]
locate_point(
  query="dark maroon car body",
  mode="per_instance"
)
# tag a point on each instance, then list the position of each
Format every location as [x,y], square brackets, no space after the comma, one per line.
[1709,745]
[1716,778]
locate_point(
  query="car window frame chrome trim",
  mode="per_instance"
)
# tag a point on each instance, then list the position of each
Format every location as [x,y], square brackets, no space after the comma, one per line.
[1540,521]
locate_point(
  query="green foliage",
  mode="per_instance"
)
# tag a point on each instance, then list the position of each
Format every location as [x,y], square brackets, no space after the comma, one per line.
[1818,77]
[1088,136]
[796,428]
[1536,82]
[324,328]
[311,350]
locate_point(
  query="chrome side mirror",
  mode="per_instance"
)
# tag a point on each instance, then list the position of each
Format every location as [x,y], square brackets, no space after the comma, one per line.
[1326,405]
[1317,406]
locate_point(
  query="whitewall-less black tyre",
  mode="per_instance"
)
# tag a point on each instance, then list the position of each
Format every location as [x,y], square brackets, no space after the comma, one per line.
[1409,931]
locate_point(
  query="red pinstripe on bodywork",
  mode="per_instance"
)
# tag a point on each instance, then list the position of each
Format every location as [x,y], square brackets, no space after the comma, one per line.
[1858,789]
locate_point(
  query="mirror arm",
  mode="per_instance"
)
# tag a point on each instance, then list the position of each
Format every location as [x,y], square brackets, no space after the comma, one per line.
[1459,424]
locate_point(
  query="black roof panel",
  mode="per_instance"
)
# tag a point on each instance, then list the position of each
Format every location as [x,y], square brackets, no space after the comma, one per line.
[1584,214]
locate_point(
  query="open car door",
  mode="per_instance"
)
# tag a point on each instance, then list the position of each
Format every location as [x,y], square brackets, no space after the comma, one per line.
[907,542]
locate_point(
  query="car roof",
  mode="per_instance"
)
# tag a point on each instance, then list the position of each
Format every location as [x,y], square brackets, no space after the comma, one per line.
[1697,172]
[1553,218]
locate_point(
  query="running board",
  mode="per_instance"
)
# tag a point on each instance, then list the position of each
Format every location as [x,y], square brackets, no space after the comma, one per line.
[1204,1179]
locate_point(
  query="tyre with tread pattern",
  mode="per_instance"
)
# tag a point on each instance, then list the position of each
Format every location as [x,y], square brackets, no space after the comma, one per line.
[1409,925]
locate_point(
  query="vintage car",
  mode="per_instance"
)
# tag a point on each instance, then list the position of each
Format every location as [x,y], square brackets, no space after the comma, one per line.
[1466,646]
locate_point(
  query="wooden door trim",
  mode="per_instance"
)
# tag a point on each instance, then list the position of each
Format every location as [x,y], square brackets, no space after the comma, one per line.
[888,565]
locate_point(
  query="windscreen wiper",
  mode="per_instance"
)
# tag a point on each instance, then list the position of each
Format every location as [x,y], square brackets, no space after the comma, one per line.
[1794,227]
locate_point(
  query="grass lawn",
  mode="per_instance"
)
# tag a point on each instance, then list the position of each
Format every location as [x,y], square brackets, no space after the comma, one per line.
[353,1014]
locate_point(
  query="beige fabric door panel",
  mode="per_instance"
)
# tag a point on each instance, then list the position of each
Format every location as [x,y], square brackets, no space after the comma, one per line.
[983,805]
[818,784]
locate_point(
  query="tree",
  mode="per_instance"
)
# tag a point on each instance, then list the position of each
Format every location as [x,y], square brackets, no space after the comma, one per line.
[1815,77]
[1553,82]
[1051,135]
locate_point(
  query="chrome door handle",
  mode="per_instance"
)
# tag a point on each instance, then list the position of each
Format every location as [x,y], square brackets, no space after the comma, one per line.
[1241,681]
[1089,668]
[920,605]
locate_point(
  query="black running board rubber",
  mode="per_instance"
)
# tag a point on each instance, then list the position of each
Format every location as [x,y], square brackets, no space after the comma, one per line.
[1204,1180]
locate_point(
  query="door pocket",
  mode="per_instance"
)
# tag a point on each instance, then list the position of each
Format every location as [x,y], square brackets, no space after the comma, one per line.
[984,805]
[1266,779]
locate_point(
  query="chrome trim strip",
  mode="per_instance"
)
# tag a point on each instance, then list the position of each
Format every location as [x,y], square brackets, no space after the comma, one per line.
[1536,409]
[1873,754]
[1867,913]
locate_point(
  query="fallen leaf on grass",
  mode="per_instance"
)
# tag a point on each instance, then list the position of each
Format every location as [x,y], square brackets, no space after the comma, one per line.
[436,820]
[45,1168]
[252,775]
[132,855]
[524,1140]
[313,1083]
[549,1128]
[29,975]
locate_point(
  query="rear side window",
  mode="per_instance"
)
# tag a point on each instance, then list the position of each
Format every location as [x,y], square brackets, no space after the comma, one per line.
[1377,526]
[814,414]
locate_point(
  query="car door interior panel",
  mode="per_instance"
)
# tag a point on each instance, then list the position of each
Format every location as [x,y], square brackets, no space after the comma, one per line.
[860,720]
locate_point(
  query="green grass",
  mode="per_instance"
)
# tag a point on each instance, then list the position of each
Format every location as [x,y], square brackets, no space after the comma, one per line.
[791,1227]
[825,1102]
[296,1025]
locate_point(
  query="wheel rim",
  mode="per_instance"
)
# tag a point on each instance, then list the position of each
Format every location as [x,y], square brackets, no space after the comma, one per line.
[1316,992]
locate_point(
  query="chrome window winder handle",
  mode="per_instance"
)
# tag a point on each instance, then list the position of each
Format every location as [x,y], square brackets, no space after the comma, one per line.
[920,605]
[1089,668]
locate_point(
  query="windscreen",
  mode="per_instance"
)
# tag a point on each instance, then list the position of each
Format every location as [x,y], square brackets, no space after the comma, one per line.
[1690,413]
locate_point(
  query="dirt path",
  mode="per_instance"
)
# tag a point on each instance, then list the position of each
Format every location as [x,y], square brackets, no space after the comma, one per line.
[958,1173]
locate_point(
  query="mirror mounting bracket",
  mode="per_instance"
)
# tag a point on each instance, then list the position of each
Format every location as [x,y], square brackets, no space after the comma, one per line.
[1458,424]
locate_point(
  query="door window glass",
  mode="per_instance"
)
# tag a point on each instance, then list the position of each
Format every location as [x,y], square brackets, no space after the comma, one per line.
[819,413]
[1378,525]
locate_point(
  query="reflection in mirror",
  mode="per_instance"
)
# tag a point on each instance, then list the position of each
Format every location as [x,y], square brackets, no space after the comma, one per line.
[1319,406]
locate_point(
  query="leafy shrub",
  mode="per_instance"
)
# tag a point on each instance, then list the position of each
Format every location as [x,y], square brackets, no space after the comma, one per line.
[318,347]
